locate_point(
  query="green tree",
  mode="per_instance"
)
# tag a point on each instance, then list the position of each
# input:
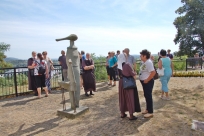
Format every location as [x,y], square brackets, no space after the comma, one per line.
[3,48]
[189,25]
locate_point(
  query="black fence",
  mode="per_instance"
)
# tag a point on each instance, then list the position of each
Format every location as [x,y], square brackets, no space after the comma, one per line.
[14,81]
[194,63]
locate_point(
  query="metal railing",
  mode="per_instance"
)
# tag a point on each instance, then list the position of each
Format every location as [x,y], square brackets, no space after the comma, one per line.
[14,81]
[194,63]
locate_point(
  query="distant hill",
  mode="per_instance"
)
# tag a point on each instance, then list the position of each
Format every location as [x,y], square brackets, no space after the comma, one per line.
[136,56]
[11,59]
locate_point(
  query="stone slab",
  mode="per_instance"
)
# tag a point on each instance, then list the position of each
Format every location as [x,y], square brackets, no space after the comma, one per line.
[69,113]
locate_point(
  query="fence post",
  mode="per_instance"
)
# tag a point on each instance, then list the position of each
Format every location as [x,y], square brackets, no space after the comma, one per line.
[186,64]
[15,82]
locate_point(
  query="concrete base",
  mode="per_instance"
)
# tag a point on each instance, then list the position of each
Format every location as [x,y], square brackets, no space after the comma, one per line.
[69,113]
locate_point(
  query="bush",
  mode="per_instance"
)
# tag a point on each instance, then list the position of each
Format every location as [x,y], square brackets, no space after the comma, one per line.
[21,79]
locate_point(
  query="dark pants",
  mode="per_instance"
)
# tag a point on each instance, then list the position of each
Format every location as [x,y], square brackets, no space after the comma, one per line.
[108,70]
[147,88]
[112,74]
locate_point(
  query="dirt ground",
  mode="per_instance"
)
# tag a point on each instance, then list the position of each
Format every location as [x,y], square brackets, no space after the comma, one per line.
[28,116]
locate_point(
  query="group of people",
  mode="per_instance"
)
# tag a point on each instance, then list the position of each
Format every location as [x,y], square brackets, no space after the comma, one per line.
[87,77]
[114,65]
[122,64]
[125,65]
[39,75]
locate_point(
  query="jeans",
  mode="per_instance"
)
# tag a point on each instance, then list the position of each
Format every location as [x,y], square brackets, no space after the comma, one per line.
[147,88]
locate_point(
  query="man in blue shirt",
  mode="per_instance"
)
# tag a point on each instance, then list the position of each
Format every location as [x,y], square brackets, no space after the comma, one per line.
[83,55]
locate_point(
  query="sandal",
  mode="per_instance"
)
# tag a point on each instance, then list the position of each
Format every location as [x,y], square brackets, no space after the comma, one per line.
[145,112]
[46,95]
[113,85]
[134,118]
[124,116]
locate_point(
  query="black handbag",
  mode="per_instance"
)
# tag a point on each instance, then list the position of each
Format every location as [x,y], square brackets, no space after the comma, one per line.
[31,72]
[129,82]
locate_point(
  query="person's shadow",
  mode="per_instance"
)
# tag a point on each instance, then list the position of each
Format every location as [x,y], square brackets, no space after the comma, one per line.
[40,127]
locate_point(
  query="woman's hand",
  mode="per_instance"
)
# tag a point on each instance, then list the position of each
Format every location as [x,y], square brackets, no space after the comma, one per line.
[146,81]
[47,76]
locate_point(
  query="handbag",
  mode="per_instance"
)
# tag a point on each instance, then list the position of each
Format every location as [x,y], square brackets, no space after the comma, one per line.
[160,72]
[129,82]
[156,76]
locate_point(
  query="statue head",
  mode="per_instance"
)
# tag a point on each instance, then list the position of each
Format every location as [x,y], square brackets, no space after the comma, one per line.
[71,37]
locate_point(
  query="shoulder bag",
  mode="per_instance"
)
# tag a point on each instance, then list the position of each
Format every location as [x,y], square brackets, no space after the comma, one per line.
[129,82]
[160,72]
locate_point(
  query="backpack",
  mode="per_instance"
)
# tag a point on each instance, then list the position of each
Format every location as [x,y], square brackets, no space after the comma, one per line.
[41,68]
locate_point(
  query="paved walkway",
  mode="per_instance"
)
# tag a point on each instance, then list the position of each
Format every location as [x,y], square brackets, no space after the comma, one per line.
[28,116]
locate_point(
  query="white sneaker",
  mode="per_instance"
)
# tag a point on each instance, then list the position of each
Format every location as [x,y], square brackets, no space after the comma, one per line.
[161,96]
[166,98]
[148,115]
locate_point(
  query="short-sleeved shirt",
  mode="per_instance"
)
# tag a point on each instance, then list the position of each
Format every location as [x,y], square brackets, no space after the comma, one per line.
[48,62]
[145,69]
[62,59]
[121,59]
[112,61]
[39,63]
[131,59]
[170,56]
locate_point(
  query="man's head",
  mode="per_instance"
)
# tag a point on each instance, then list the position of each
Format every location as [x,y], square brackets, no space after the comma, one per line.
[118,52]
[127,51]
[168,51]
[63,52]
[82,52]
[33,54]
[88,56]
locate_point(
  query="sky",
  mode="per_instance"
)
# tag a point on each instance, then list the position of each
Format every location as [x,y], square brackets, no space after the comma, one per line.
[101,25]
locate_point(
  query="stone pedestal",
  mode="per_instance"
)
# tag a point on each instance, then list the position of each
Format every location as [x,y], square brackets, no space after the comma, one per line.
[70,114]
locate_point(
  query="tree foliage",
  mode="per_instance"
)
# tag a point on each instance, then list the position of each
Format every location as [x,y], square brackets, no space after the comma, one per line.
[190,27]
[3,48]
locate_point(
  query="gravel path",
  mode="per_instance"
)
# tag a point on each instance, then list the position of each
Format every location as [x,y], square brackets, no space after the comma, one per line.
[28,116]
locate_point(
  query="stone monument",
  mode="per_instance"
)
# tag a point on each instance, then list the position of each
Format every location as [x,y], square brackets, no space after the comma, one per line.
[73,84]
